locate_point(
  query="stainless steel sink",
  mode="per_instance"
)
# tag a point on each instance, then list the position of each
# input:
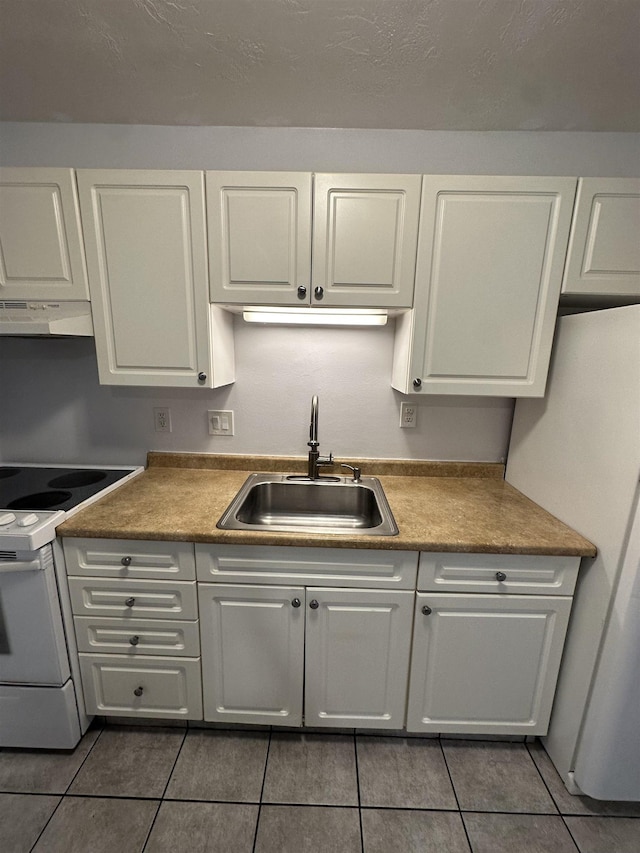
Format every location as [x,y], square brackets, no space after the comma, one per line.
[277,502]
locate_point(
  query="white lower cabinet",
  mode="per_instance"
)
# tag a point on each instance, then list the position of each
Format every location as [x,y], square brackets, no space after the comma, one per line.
[252,641]
[265,647]
[357,650]
[485,664]
[142,687]
[136,627]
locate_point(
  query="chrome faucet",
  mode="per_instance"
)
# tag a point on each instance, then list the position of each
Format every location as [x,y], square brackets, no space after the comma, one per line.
[315,460]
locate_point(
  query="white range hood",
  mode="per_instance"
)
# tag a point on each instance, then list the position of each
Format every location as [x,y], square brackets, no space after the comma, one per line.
[46,319]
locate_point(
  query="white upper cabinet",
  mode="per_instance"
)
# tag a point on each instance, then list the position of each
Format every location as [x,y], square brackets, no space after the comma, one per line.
[41,253]
[363,241]
[490,258]
[259,236]
[145,239]
[365,231]
[604,248]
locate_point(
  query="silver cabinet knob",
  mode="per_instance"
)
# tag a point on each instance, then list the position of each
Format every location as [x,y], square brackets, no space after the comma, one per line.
[417,383]
[314,604]
[426,610]
[319,293]
[126,561]
[130,602]
[500,576]
[202,377]
[295,602]
[138,691]
[302,292]
[134,640]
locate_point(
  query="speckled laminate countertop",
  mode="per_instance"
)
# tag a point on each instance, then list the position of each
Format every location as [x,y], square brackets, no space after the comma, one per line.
[438,506]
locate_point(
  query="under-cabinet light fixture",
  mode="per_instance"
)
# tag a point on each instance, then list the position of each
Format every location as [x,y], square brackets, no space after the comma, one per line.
[315,316]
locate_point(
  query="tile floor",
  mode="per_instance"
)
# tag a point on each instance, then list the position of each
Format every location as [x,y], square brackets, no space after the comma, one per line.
[127,789]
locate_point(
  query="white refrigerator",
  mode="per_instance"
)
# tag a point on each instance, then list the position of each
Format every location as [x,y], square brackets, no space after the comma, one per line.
[577,453]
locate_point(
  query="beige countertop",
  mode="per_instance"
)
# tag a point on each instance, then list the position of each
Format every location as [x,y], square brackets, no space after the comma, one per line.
[438,506]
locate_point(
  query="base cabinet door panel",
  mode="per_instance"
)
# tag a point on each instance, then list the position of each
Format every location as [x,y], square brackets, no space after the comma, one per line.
[252,653]
[485,663]
[357,657]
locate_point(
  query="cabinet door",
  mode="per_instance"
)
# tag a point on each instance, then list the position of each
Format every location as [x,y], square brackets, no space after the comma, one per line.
[485,663]
[252,641]
[490,260]
[259,237]
[357,657]
[147,260]
[604,248]
[365,231]
[41,254]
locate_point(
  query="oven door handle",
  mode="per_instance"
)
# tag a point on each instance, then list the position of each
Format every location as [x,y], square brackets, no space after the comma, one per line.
[7,567]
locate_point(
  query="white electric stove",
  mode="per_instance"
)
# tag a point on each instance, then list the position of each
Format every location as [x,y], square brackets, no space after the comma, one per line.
[41,702]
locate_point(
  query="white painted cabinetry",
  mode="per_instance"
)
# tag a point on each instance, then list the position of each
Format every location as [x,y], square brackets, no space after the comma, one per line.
[41,251]
[252,653]
[357,657]
[145,239]
[363,240]
[604,248]
[487,663]
[136,623]
[259,226]
[345,650]
[365,231]
[490,260]
[322,638]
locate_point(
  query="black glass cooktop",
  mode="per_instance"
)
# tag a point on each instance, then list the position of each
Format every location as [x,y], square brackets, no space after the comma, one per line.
[52,488]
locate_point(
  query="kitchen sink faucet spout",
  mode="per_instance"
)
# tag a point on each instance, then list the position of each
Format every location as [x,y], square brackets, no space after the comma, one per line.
[315,460]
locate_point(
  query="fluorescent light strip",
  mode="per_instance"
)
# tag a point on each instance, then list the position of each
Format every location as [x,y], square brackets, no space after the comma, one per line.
[315,316]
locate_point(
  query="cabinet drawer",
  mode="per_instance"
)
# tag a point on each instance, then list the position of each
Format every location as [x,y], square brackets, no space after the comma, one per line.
[497,573]
[132,599]
[137,637]
[130,558]
[144,687]
[342,567]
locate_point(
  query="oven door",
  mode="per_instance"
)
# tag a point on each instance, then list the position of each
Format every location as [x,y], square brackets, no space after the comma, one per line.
[32,643]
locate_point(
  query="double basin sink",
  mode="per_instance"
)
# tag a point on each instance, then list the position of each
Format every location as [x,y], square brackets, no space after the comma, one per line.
[296,504]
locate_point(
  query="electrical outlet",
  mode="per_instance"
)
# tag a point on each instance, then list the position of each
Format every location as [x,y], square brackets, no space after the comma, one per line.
[162,419]
[408,415]
[220,423]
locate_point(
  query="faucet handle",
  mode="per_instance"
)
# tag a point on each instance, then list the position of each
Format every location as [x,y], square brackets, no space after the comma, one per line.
[325,460]
[356,471]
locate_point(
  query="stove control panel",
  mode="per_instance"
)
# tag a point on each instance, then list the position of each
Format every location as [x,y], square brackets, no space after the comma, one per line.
[22,530]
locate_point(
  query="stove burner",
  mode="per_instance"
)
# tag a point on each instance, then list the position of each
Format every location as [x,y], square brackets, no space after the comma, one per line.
[8,472]
[40,500]
[77,478]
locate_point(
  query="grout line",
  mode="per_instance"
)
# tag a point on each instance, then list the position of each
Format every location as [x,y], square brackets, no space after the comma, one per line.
[355,749]
[455,793]
[544,781]
[160,801]
[62,796]
[553,799]
[264,779]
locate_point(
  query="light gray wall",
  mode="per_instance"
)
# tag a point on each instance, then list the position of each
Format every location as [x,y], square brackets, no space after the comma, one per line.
[53,409]
[319,149]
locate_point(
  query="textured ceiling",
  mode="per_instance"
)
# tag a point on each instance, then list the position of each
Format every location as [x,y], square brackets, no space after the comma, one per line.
[423,64]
